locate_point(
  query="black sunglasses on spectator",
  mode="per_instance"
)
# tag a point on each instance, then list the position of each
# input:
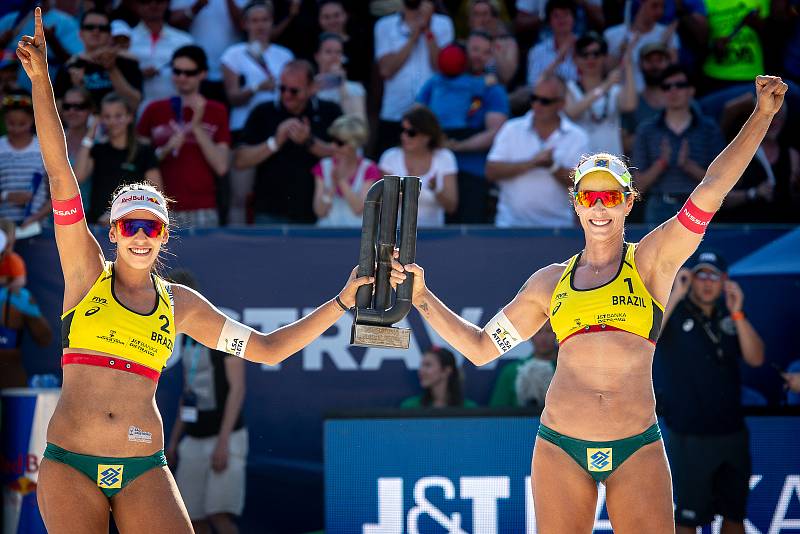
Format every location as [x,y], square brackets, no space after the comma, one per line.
[80,106]
[185,72]
[105,28]
[543,100]
[338,142]
[674,85]
[411,132]
[294,91]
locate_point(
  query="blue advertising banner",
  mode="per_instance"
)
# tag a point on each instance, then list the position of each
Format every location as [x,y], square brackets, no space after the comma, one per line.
[270,277]
[471,475]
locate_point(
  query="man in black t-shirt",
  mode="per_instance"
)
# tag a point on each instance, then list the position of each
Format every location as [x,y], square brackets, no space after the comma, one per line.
[285,140]
[698,390]
[100,69]
[209,439]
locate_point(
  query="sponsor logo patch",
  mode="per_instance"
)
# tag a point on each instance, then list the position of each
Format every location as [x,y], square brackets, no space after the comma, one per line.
[109,476]
[599,460]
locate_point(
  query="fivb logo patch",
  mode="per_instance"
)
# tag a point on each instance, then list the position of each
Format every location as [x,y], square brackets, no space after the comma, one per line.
[599,460]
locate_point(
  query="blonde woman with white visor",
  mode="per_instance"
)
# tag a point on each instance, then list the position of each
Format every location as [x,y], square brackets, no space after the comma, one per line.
[105,441]
[605,305]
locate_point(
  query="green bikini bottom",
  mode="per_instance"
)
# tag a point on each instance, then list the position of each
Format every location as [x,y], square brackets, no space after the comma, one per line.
[110,474]
[600,458]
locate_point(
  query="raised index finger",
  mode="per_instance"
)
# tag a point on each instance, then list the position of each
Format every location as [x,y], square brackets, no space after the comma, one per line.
[38,30]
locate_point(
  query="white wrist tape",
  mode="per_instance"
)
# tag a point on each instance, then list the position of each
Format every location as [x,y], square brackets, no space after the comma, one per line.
[233,338]
[503,334]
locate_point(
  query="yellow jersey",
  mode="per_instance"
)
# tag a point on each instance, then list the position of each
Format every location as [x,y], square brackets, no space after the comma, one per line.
[621,304]
[101,323]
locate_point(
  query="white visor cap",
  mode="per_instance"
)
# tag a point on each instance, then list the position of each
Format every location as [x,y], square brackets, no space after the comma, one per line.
[140,199]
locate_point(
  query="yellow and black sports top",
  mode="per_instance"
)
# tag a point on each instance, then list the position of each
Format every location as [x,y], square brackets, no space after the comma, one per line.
[102,323]
[621,304]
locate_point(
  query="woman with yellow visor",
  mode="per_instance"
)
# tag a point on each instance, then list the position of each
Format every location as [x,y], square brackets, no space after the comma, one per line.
[605,305]
[105,441]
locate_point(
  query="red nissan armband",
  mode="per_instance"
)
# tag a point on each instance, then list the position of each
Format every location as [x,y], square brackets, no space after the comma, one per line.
[693,218]
[66,212]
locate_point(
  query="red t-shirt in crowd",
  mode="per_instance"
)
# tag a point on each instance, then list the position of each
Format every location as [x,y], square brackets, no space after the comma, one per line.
[188,177]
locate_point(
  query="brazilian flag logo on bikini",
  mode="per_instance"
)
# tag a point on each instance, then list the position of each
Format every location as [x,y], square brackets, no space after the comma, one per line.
[109,476]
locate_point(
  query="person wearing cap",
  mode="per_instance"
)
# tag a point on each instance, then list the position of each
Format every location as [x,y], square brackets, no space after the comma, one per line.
[704,338]
[531,158]
[105,441]
[653,59]
[121,35]
[605,305]
[100,68]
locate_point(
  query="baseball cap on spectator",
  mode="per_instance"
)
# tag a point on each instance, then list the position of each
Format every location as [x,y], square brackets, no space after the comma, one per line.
[452,60]
[650,48]
[707,259]
[120,28]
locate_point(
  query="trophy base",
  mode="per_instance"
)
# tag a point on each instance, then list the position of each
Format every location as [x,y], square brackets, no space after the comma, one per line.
[380,336]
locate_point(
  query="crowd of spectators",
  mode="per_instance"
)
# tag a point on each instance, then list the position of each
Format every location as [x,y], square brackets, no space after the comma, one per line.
[228,105]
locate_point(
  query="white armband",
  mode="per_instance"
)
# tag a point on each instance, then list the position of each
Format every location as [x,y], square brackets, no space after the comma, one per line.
[503,334]
[233,338]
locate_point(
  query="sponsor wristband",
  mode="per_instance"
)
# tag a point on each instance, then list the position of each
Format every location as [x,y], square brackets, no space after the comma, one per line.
[693,218]
[737,315]
[66,212]
[233,338]
[23,301]
[502,333]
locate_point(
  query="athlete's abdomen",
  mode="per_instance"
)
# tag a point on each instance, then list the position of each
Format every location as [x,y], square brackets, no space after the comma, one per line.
[97,409]
[603,388]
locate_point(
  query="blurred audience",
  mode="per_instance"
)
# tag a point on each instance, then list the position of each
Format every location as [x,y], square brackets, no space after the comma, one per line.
[100,69]
[13,271]
[191,138]
[673,150]
[76,114]
[441,381]
[555,54]
[531,160]
[214,25]
[209,439]
[114,158]
[471,106]
[421,154]
[653,59]
[596,100]
[19,314]
[503,60]
[283,140]
[705,335]
[341,181]
[357,56]
[407,48]
[332,83]
[153,42]
[24,195]
[524,382]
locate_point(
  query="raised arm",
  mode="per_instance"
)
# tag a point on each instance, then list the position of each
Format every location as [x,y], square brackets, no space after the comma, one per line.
[203,322]
[81,256]
[518,320]
[662,252]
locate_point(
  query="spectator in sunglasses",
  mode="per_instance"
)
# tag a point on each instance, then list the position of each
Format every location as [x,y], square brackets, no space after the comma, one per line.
[421,154]
[283,140]
[705,338]
[531,158]
[153,42]
[99,68]
[76,114]
[673,149]
[191,139]
[597,98]
[341,181]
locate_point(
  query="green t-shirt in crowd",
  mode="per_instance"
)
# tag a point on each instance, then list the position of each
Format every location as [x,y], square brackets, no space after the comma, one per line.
[416,402]
[743,58]
[505,388]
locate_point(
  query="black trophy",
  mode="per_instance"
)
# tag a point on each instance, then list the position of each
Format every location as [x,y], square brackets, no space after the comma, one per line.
[375,314]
